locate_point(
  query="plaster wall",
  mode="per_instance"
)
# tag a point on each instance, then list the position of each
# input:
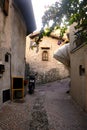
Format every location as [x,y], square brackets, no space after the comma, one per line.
[78,60]
[12,40]
[79,76]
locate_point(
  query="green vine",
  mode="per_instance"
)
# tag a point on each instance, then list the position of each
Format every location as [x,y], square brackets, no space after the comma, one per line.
[66,12]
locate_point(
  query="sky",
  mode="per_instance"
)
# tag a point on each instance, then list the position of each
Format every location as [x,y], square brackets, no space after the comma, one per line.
[39,8]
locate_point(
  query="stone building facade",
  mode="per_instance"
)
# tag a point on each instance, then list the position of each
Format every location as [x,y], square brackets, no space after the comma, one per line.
[41,60]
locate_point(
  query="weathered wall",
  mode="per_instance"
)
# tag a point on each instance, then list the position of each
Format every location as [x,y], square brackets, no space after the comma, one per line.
[72,36]
[12,40]
[46,70]
[18,42]
[85,59]
[79,76]
[78,60]
[5,40]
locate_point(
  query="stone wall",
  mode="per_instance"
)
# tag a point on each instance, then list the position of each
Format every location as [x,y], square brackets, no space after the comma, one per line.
[47,71]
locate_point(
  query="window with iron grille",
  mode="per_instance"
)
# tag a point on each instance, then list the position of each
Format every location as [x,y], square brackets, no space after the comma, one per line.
[45,56]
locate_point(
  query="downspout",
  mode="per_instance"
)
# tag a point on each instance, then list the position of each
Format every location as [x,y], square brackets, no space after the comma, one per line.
[9,54]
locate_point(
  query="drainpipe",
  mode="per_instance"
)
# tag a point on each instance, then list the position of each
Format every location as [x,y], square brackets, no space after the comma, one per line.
[9,54]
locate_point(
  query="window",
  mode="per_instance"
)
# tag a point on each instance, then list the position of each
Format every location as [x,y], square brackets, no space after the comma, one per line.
[45,56]
[6,58]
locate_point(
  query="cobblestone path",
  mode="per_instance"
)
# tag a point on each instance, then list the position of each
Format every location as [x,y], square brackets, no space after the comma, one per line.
[39,119]
[49,108]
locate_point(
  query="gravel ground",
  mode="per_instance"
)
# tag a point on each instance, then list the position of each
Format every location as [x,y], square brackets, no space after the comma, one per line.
[49,108]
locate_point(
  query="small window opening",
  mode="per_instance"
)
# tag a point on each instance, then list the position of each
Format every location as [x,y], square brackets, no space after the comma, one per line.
[6,58]
[45,56]
[81,70]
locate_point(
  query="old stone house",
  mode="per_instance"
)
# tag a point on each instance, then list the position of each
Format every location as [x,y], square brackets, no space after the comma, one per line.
[14,26]
[41,61]
[78,58]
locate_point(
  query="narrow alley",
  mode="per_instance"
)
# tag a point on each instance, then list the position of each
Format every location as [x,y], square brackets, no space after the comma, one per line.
[49,108]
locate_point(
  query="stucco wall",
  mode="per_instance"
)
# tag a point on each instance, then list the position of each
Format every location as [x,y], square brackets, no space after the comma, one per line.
[85,58]
[72,36]
[12,40]
[78,59]
[18,42]
[46,70]
[78,76]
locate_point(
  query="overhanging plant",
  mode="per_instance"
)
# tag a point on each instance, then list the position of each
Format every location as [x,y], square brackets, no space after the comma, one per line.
[66,12]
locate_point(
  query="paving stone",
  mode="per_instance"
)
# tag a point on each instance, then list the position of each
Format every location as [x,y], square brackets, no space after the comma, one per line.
[49,108]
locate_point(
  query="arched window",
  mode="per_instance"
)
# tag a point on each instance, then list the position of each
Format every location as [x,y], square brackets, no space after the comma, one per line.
[45,55]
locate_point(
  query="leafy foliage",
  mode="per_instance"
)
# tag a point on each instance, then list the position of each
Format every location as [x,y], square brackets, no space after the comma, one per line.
[66,12]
